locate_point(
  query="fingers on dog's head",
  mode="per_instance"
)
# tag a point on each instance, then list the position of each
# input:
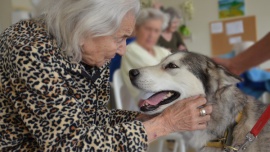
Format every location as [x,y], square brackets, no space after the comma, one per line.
[202,122]
[202,126]
[200,101]
[208,109]
[193,98]
[204,119]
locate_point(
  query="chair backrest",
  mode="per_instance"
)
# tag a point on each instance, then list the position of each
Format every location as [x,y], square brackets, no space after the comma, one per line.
[117,85]
[123,99]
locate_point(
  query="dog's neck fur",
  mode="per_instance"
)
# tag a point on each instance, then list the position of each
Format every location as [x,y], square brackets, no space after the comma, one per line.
[232,101]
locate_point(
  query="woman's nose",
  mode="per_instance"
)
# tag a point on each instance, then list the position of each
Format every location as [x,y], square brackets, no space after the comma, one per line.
[121,50]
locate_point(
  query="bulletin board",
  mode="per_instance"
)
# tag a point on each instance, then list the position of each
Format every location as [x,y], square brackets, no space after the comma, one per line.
[225,33]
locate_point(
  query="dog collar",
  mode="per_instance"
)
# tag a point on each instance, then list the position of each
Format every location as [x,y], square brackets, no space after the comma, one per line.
[226,141]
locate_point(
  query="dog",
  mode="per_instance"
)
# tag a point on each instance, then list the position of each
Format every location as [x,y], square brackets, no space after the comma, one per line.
[185,74]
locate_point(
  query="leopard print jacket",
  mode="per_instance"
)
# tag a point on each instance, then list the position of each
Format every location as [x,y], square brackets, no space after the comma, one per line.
[48,103]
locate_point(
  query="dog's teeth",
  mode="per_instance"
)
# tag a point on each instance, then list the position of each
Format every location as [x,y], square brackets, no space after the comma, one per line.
[169,94]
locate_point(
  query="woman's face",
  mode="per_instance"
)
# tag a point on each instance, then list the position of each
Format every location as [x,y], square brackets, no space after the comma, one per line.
[148,33]
[99,50]
[174,24]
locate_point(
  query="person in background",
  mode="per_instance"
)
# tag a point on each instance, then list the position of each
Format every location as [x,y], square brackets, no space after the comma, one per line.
[144,51]
[170,38]
[54,87]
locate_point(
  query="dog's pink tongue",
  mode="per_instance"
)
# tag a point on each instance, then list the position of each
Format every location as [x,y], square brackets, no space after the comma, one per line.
[154,100]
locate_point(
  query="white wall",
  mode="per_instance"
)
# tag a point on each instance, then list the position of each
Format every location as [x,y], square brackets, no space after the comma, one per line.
[25,5]
[207,11]
[5,14]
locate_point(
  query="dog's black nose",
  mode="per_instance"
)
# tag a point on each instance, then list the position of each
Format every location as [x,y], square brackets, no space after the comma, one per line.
[133,73]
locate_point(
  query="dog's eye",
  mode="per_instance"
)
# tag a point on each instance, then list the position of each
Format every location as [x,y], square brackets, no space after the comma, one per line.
[171,66]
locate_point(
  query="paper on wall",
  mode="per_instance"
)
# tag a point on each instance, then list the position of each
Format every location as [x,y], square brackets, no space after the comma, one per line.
[235,39]
[235,27]
[216,28]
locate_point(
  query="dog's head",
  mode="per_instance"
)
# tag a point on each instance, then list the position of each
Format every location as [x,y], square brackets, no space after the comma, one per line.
[178,76]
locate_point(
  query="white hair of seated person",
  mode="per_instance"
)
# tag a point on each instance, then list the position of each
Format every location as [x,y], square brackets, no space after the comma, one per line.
[242,46]
[70,21]
[151,13]
[171,14]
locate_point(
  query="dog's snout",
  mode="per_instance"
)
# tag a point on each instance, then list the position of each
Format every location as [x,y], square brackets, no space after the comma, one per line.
[133,73]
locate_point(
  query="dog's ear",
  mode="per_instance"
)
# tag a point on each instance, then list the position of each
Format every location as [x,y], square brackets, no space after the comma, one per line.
[225,77]
[228,78]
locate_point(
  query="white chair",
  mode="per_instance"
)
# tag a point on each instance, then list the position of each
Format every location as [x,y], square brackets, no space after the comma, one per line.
[117,84]
[123,100]
[179,145]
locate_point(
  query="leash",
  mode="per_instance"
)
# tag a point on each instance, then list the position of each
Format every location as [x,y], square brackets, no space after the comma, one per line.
[252,135]
[261,122]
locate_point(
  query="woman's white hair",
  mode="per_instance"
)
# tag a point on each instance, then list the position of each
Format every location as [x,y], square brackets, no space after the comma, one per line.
[151,13]
[171,13]
[70,21]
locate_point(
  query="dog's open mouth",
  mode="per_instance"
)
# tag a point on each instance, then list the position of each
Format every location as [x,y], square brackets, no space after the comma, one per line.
[157,99]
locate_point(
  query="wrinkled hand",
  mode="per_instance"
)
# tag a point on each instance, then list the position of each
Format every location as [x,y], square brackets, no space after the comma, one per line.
[185,115]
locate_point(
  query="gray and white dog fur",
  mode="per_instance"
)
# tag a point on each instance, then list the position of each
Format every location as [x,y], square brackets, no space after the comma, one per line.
[196,74]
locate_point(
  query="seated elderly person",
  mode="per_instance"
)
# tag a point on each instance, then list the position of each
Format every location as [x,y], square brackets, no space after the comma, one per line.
[54,83]
[144,51]
[170,38]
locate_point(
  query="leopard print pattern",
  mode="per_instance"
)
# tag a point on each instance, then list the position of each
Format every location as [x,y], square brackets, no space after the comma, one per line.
[48,103]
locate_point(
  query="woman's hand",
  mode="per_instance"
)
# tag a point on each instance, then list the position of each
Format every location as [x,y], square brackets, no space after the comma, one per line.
[184,115]
[182,48]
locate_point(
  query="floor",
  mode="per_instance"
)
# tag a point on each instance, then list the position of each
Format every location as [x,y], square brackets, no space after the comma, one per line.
[168,147]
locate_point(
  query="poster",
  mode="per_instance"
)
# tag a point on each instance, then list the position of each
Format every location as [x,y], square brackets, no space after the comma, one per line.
[235,39]
[216,28]
[236,27]
[231,8]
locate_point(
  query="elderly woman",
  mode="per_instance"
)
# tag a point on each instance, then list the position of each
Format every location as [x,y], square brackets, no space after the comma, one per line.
[144,51]
[54,83]
[170,38]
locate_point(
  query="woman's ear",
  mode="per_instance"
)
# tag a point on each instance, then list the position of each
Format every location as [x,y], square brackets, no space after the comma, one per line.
[133,34]
[136,29]
[81,42]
